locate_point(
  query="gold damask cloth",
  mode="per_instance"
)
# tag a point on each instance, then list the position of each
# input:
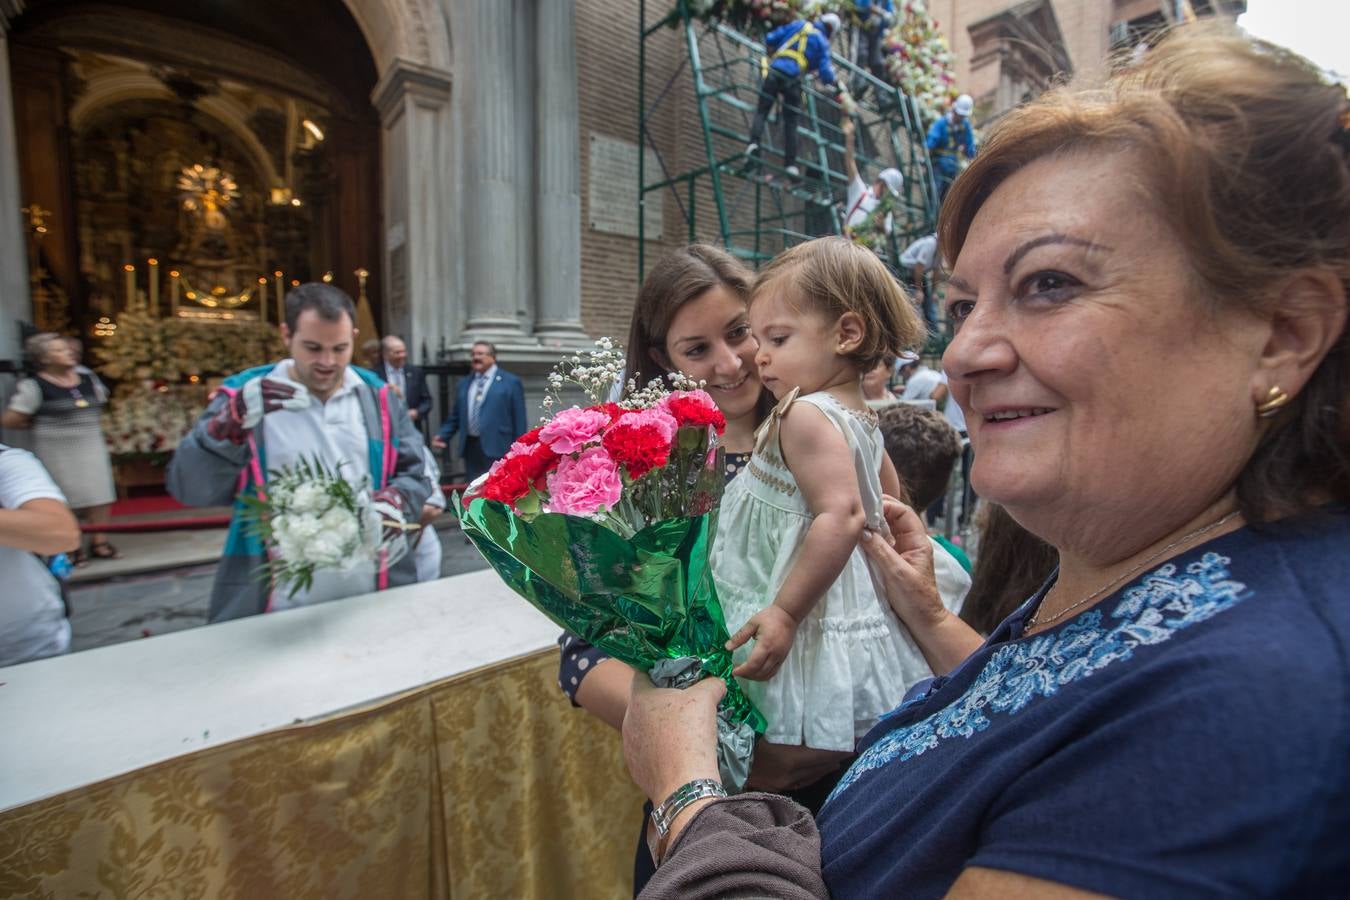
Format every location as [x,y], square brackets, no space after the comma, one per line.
[485,785]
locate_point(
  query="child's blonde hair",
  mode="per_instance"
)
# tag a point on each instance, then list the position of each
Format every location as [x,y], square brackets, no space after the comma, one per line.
[832,276]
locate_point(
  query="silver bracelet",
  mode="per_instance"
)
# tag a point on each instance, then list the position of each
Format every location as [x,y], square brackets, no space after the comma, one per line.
[684,795]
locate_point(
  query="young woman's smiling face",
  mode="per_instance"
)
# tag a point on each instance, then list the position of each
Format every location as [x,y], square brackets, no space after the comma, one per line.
[709,340]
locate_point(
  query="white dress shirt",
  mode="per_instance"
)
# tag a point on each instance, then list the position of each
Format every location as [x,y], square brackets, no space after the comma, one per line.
[398,378]
[471,423]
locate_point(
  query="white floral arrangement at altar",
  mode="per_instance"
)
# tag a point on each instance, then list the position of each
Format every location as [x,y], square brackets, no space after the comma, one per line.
[170,350]
[312,519]
[145,420]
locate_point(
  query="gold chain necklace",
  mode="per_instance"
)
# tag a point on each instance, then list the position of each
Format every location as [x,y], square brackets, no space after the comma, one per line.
[1035,621]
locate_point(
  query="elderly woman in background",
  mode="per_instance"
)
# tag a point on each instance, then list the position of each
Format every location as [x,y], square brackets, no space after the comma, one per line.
[1150,293]
[64,407]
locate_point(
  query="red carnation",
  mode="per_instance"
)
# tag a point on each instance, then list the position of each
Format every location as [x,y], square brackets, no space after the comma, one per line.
[530,437]
[507,482]
[694,408]
[542,460]
[512,477]
[639,448]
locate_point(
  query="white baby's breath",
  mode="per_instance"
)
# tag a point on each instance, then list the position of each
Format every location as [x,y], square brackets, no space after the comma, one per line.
[596,372]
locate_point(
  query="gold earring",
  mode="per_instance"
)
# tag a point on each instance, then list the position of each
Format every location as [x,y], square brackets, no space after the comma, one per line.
[1276,398]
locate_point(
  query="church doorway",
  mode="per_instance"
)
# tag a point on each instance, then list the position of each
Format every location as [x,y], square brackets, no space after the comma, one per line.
[192,160]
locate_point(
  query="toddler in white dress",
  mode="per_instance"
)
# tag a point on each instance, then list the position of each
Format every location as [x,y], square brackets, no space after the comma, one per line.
[829,656]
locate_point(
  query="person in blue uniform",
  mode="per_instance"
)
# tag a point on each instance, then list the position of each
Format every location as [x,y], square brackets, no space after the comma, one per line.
[795,50]
[875,17]
[948,137]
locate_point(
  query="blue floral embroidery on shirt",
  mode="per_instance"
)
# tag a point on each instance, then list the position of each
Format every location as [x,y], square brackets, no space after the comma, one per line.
[1150,613]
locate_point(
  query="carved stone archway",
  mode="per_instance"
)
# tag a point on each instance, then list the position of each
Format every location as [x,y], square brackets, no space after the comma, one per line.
[479,185]
[411,30]
[228,53]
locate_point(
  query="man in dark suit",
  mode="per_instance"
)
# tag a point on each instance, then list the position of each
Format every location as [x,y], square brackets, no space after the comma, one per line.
[407,379]
[489,413]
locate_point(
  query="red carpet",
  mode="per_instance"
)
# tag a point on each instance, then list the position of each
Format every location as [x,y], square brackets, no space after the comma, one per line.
[151,504]
[146,505]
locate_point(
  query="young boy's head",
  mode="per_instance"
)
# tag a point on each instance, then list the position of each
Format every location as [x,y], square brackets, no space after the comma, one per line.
[923,447]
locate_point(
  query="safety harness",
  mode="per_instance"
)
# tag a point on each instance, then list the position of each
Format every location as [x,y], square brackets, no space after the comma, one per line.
[794,48]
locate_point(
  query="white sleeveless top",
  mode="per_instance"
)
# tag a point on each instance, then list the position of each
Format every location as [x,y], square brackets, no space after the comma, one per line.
[852,660]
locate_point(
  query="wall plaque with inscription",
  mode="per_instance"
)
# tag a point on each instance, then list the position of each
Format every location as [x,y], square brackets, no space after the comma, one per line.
[613,189]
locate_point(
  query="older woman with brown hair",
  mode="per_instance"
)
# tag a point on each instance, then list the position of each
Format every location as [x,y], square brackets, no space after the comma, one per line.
[64,407]
[1149,286]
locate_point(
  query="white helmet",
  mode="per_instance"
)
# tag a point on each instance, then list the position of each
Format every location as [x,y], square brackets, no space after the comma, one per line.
[964,105]
[830,22]
[893,180]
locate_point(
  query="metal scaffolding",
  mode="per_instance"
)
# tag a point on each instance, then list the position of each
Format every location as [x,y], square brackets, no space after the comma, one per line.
[759,209]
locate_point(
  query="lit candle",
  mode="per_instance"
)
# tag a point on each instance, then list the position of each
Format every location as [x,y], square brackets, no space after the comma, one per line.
[130,271]
[154,285]
[262,300]
[173,292]
[281,294]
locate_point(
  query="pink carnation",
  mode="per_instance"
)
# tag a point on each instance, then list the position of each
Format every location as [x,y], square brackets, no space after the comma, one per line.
[572,429]
[580,486]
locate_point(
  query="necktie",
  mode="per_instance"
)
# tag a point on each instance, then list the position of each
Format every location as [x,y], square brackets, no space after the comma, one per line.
[476,404]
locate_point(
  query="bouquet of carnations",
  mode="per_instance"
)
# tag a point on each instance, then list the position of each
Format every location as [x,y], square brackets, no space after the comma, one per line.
[311,518]
[603,517]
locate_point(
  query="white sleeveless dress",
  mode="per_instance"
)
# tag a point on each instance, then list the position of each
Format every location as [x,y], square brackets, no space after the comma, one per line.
[852,660]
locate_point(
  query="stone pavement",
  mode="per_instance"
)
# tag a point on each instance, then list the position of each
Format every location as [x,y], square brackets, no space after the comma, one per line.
[153,551]
[111,603]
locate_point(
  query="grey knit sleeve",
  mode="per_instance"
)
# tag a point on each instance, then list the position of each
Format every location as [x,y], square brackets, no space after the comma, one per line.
[752,845]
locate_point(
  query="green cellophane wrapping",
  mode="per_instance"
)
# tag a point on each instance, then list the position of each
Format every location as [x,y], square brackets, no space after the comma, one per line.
[641,599]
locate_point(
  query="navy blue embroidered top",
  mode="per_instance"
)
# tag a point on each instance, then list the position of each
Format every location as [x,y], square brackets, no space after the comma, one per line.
[1187,736]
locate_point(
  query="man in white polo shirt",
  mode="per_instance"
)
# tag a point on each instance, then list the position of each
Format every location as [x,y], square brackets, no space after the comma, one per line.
[920,258]
[314,404]
[921,382]
[34,522]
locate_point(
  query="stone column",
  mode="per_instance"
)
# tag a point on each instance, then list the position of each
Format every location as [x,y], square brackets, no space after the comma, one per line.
[558,212]
[419,280]
[16,302]
[498,263]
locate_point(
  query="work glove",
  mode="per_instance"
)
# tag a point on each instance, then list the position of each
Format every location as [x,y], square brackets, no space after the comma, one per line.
[394,513]
[847,103]
[242,413]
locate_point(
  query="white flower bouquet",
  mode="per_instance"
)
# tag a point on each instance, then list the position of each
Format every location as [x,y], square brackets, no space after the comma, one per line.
[311,518]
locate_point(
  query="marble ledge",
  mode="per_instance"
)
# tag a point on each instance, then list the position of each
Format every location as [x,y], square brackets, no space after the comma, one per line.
[74,720]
